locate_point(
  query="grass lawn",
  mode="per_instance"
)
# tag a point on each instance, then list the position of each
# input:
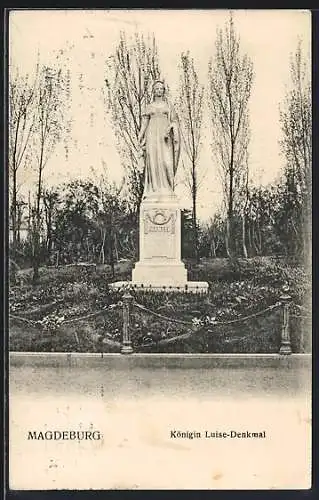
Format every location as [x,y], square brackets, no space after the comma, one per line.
[237,289]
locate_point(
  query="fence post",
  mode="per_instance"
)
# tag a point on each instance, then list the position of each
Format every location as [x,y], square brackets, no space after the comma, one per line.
[285,345]
[126,347]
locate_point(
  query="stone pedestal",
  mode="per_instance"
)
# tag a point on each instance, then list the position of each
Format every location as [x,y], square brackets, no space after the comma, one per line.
[160,244]
[160,267]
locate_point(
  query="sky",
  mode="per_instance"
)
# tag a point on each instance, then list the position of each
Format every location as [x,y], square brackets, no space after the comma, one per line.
[88,37]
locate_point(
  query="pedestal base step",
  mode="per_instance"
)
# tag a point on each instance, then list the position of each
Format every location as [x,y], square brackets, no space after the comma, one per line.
[187,287]
[160,272]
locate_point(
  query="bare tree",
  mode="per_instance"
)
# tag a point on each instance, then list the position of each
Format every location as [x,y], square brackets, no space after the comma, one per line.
[21,127]
[131,72]
[50,109]
[230,83]
[190,111]
[295,116]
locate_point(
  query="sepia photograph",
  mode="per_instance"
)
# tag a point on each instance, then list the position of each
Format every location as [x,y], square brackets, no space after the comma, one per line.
[159,179]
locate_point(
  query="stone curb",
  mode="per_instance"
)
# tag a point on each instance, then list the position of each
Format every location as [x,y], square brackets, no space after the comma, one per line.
[167,361]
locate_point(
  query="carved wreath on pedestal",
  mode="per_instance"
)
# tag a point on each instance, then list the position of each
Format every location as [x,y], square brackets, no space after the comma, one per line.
[159,221]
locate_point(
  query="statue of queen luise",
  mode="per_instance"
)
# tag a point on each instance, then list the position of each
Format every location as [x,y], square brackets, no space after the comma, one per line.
[159,139]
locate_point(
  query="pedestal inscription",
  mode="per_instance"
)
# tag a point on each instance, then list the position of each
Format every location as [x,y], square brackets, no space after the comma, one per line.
[161,221]
[159,234]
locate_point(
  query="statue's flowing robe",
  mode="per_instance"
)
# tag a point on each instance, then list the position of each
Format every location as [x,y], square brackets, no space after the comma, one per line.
[160,157]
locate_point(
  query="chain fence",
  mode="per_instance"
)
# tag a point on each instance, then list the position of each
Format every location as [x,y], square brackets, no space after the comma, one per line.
[128,304]
[42,325]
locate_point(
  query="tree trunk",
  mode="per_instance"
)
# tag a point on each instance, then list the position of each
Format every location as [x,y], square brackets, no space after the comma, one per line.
[36,256]
[36,245]
[29,219]
[194,224]
[111,245]
[116,247]
[227,239]
[102,252]
[250,239]
[256,241]
[14,225]
[49,235]
[259,235]
[213,249]
[307,234]
[229,229]
[253,239]
[245,253]
[18,227]
[36,252]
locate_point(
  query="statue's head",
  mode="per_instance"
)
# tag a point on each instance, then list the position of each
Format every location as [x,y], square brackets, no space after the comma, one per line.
[158,88]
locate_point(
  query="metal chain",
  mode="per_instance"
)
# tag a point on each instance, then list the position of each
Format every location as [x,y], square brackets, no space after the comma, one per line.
[301,308]
[173,320]
[71,320]
[30,321]
[214,323]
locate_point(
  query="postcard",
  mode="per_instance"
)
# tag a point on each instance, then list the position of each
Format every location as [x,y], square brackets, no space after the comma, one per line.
[160,186]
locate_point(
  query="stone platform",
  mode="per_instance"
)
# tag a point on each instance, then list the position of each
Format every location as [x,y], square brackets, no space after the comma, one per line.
[187,287]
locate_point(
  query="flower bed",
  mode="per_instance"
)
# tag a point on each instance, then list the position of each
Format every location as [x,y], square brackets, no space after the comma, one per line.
[53,310]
